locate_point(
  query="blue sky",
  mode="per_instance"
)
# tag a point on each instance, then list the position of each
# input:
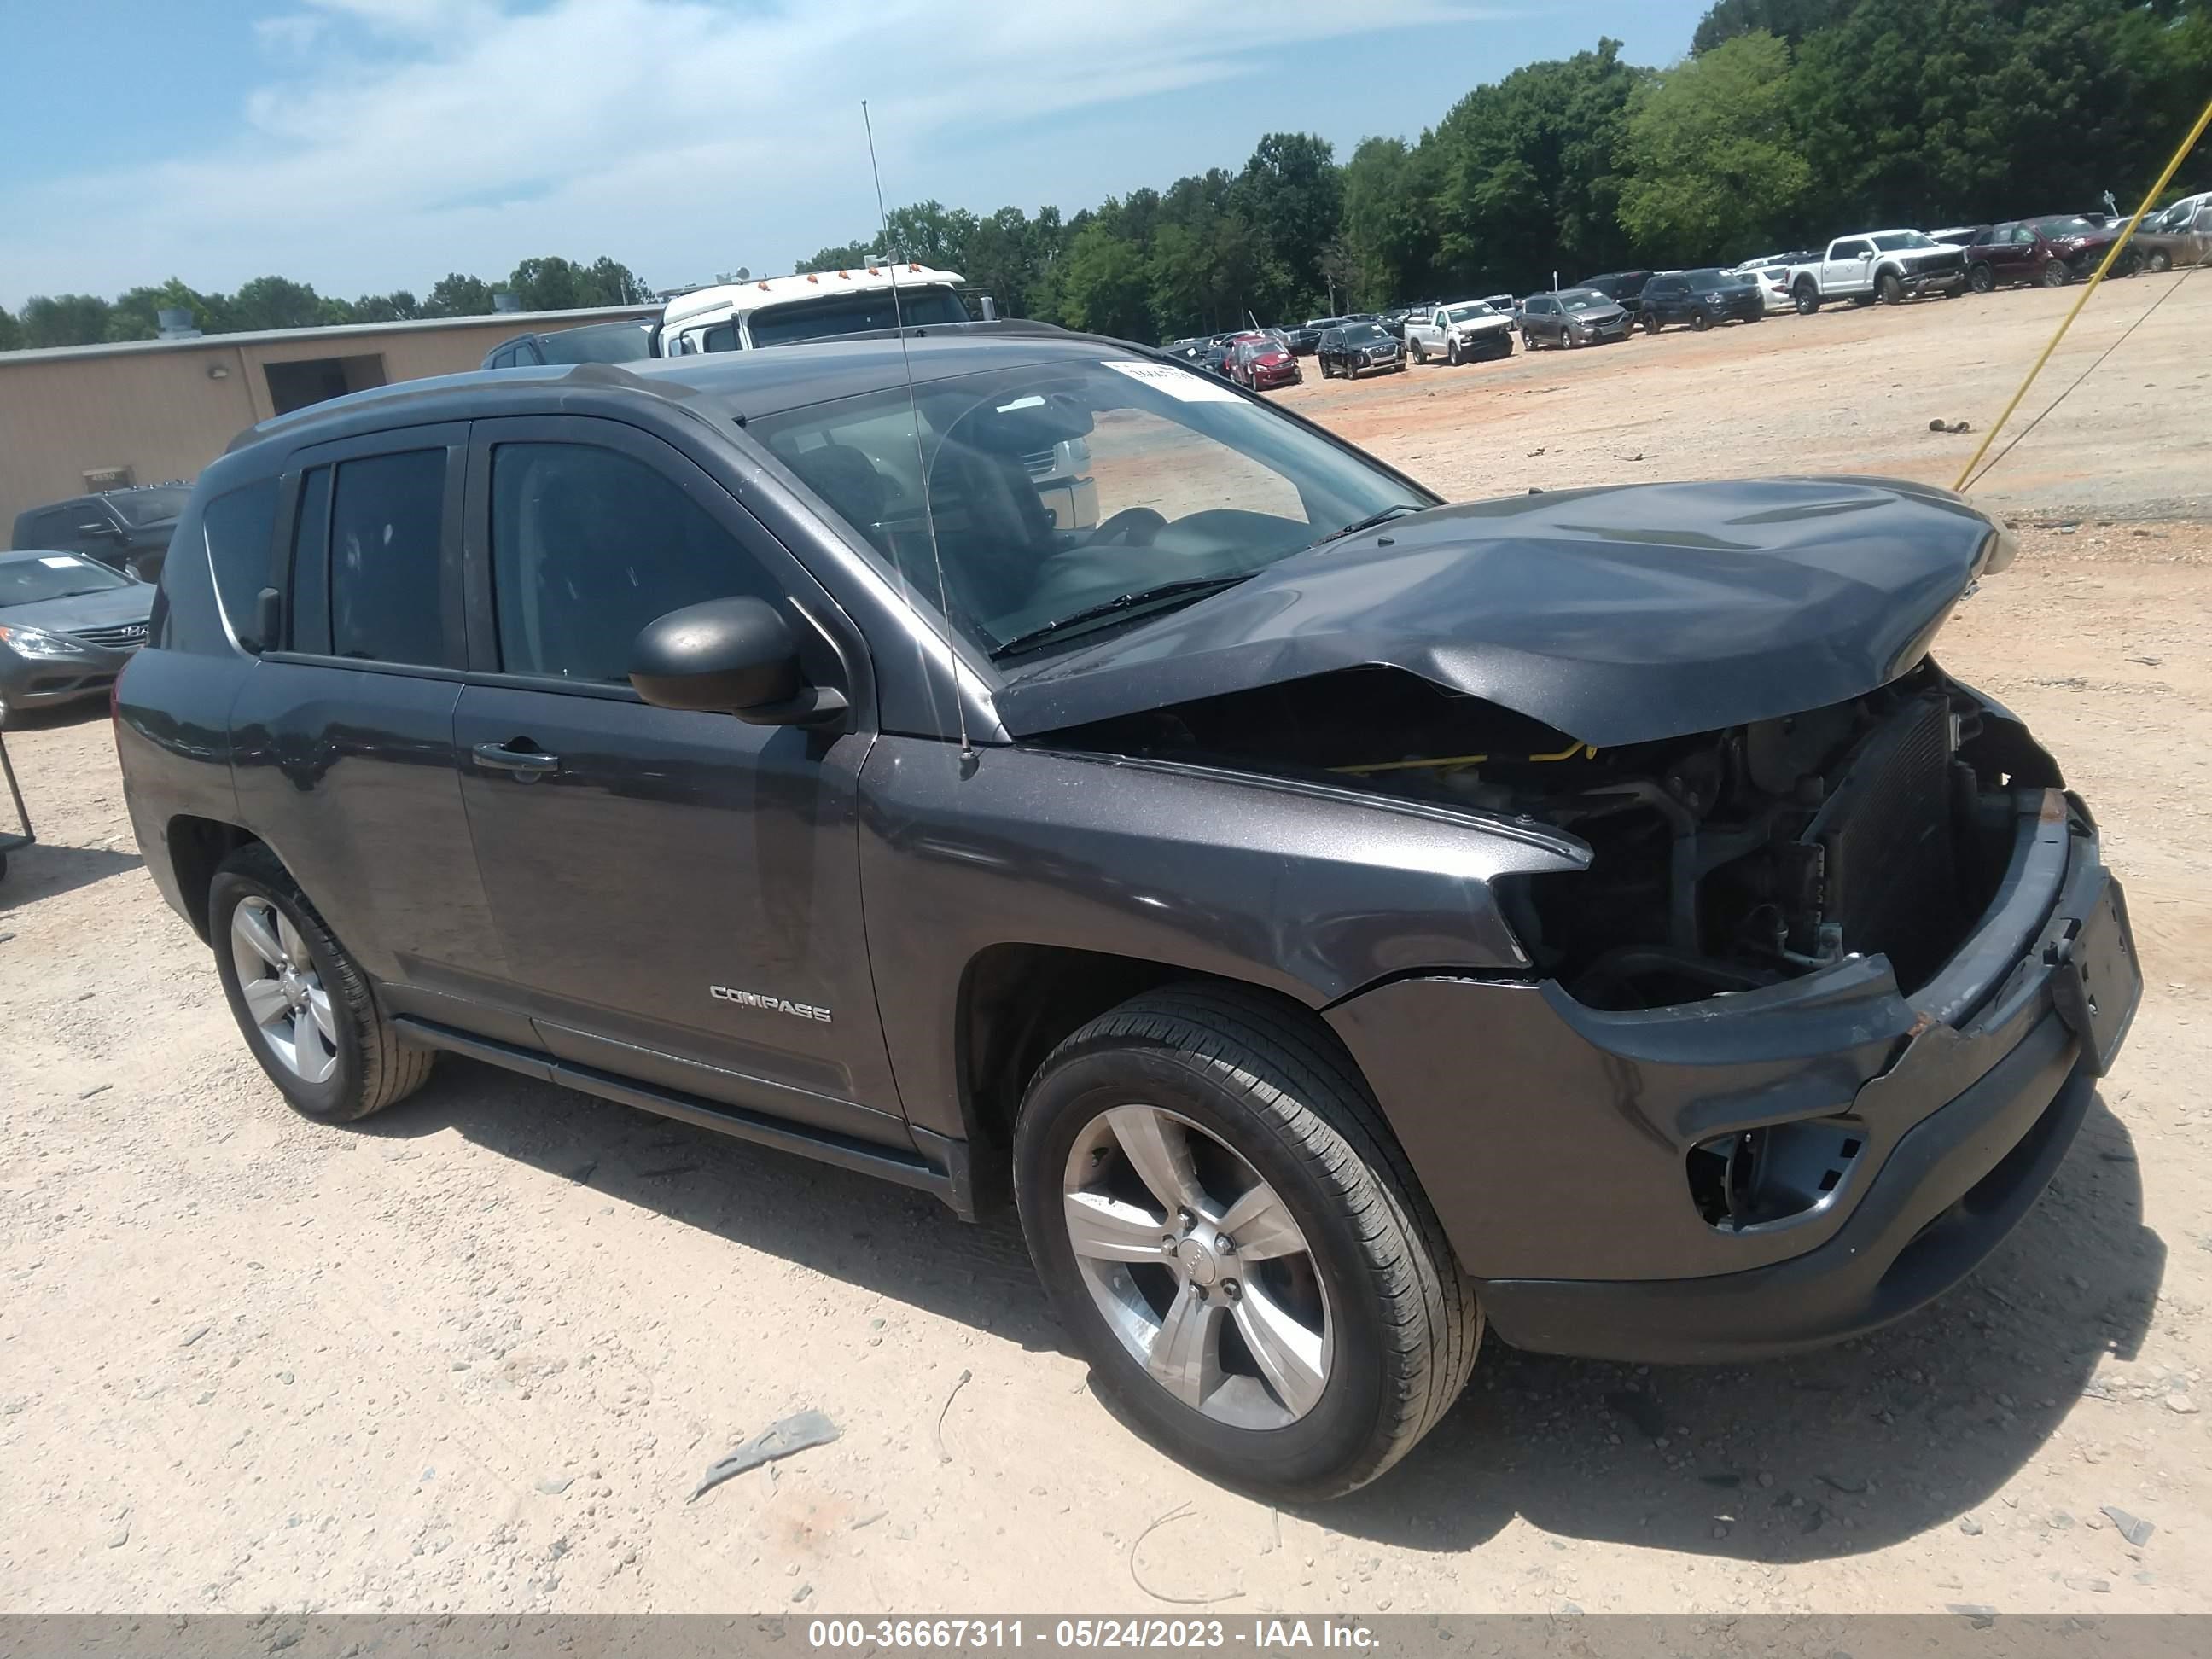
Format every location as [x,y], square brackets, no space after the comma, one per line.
[367,145]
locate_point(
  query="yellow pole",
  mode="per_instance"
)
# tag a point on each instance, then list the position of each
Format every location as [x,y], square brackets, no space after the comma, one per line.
[2126,236]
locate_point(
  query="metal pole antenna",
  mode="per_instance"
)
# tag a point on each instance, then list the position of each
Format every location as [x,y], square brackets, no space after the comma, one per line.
[921,459]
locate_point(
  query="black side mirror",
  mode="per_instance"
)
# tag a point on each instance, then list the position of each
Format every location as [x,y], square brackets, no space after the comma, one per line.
[729,656]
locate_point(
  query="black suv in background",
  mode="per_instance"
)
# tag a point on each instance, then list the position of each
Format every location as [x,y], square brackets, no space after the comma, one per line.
[1329,938]
[1623,287]
[126,530]
[1699,299]
[1355,349]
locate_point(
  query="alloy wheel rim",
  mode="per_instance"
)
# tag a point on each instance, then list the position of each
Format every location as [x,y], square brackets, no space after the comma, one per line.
[1198,1268]
[284,994]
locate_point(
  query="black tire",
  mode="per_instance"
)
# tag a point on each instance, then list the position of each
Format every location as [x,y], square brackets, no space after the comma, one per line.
[1528,340]
[1451,352]
[1982,279]
[1862,299]
[1888,289]
[1700,321]
[2055,275]
[375,1068]
[2157,261]
[1419,353]
[1269,1082]
[1807,298]
[1650,321]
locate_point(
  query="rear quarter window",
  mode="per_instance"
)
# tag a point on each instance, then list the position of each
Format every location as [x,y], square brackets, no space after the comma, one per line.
[240,528]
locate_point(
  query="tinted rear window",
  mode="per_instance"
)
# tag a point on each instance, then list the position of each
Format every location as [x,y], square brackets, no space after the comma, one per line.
[853,313]
[145,507]
[387,522]
[241,526]
[626,345]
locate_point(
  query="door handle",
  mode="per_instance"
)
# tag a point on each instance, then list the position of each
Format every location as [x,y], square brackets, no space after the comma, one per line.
[526,764]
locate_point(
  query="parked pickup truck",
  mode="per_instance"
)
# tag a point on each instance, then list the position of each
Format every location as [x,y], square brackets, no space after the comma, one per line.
[1459,332]
[1888,265]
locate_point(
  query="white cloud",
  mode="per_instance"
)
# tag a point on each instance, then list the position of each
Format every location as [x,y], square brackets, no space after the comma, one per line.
[388,141]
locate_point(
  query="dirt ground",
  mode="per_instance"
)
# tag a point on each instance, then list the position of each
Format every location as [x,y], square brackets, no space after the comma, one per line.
[475,1353]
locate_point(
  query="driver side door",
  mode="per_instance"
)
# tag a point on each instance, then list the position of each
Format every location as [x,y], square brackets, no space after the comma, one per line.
[1849,267]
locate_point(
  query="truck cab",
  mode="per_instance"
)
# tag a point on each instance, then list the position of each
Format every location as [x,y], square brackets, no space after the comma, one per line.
[817,305]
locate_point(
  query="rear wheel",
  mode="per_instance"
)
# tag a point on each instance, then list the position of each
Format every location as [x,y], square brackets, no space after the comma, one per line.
[1982,279]
[1419,353]
[2055,274]
[1225,1225]
[302,1002]
[1807,298]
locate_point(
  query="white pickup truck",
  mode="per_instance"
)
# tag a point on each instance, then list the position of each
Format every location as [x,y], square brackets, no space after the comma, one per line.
[1888,265]
[1467,331]
[817,305]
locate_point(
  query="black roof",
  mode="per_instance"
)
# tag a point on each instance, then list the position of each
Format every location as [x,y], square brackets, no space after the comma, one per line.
[762,381]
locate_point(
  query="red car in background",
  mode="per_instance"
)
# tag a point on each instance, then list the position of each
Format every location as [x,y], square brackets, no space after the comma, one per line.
[2049,252]
[1263,362]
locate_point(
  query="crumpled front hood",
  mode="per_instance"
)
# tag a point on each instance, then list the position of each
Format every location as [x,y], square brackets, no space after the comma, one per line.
[1616,615]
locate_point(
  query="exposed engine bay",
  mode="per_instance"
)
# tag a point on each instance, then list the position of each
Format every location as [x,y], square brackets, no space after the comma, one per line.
[1722,861]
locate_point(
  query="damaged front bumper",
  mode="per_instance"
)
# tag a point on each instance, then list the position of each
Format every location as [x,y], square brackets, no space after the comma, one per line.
[1903,1136]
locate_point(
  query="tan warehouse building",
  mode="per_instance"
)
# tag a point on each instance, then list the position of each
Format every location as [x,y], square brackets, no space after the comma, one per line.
[79,418]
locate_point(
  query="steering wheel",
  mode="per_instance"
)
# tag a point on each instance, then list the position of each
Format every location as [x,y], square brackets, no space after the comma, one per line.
[1133,527]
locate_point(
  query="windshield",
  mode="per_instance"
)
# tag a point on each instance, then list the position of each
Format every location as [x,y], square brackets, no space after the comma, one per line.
[853,313]
[1361,333]
[1063,485]
[1713,278]
[145,507]
[53,577]
[1468,314]
[1895,239]
[626,343]
[2066,224]
[1583,299]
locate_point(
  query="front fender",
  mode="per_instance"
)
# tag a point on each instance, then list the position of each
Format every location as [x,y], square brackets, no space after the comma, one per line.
[1306,889]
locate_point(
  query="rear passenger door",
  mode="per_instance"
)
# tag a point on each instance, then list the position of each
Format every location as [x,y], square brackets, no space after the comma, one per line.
[678,892]
[344,736]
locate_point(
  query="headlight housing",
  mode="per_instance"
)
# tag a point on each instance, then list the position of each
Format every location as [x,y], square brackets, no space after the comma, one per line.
[37,642]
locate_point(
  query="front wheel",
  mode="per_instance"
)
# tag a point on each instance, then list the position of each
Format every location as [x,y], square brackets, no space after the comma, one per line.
[1700,321]
[1225,1225]
[1982,279]
[302,1002]
[1887,289]
[1650,321]
[2055,274]
[1528,340]
[1451,353]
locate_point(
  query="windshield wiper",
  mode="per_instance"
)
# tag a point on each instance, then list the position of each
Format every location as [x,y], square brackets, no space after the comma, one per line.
[1397,509]
[1190,588]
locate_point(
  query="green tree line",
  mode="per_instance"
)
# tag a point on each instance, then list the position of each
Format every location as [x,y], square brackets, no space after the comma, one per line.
[1790,122]
[540,285]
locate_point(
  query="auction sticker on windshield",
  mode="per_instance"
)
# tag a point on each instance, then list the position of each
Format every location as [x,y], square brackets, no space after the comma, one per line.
[1179,383]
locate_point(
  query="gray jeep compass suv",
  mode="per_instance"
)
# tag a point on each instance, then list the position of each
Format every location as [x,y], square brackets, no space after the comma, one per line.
[1336,917]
